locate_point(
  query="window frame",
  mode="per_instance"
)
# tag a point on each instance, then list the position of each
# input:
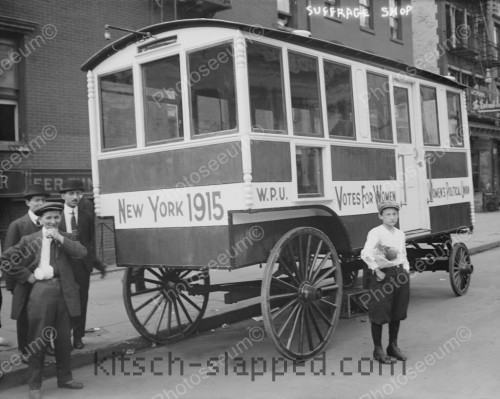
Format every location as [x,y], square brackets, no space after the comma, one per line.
[397,19]
[437,117]
[322,186]
[370,18]
[16,119]
[459,119]
[390,108]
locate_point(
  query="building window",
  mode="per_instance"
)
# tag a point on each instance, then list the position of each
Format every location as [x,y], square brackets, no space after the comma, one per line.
[304,89]
[9,90]
[213,93]
[366,14]
[339,106]
[429,115]
[118,110]
[265,80]
[379,107]
[309,172]
[162,100]
[455,127]
[287,14]
[395,20]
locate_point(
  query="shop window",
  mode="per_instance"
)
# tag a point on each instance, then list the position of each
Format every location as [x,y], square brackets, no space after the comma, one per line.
[309,172]
[429,111]
[304,89]
[339,104]
[118,110]
[213,94]
[379,107]
[162,100]
[455,127]
[265,80]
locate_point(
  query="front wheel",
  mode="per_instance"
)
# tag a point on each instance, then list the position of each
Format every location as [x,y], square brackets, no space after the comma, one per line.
[301,293]
[165,305]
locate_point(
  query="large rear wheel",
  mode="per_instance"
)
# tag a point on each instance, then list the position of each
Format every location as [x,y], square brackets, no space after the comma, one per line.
[460,269]
[301,293]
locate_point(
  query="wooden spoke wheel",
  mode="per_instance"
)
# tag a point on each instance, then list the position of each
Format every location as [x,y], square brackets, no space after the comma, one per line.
[301,293]
[165,305]
[460,269]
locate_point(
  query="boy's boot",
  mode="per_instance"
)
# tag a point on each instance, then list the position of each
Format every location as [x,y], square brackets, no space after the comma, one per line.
[378,354]
[394,351]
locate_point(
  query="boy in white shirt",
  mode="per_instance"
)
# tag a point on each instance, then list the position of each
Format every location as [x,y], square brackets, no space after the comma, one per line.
[385,254]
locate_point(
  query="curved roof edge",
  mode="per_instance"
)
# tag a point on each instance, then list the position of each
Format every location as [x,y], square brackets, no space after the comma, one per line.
[286,36]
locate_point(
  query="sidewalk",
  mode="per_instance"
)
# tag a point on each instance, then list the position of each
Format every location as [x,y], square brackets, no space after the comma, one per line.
[113,332]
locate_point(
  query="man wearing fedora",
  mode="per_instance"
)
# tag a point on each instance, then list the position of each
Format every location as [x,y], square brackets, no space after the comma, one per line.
[79,221]
[34,197]
[43,265]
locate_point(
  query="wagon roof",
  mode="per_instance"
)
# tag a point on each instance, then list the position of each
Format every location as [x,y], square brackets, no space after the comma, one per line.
[286,36]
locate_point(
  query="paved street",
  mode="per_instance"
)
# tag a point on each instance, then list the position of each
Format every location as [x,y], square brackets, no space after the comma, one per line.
[450,341]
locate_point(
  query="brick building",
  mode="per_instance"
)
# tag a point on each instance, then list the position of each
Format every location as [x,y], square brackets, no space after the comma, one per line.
[43,95]
[461,39]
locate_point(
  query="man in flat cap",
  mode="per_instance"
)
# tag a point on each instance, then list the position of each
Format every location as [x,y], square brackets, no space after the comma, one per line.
[42,264]
[80,222]
[34,197]
[385,254]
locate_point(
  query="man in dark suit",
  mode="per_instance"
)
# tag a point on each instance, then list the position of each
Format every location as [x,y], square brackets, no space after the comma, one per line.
[79,221]
[34,197]
[43,266]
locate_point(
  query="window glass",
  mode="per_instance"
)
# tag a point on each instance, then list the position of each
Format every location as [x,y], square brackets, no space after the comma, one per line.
[305,95]
[366,14]
[118,111]
[7,122]
[309,172]
[429,115]
[395,20]
[162,100]
[379,107]
[213,95]
[9,90]
[402,112]
[454,120]
[265,79]
[339,100]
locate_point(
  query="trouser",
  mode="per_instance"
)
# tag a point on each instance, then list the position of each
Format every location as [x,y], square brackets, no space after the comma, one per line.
[22,326]
[82,278]
[48,319]
[389,298]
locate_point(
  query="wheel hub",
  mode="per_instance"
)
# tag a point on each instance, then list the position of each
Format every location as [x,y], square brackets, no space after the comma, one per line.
[308,293]
[466,268]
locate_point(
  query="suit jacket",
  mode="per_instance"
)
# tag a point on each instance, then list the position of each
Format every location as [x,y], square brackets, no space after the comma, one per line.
[19,228]
[21,260]
[86,233]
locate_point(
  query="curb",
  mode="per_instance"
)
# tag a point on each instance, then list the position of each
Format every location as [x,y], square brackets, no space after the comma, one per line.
[484,247]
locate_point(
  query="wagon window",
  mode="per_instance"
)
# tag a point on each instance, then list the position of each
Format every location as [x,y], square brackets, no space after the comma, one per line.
[213,97]
[118,110]
[379,106]
[429,115]
[454,120]
[305,95]
[265,79]
[309,172]
[339,100]
[162,100]
[402,111]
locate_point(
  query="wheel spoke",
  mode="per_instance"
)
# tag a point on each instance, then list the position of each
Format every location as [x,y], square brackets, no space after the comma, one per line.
[330,287]
[315,324]
[161,316]
[318,270]
[185,311]
[333,305]
[176,309]
[290,338]
[194,305]
[169,324]
[311,271]
[297,269]
[302,266]
[325,319]
[279,312]
[148,280]
[308,328]
[146,291]
[284,283]
[290,273]
[308,253]
[154,272]
[147,302]
[282,296]
[153,310]
[285,324]
[325,275]
[301,330]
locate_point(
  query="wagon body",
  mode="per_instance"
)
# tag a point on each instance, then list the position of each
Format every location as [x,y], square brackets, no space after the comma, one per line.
[213,143]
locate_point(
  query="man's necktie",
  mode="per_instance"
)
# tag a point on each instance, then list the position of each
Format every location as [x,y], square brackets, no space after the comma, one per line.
[53,250]
[74,227]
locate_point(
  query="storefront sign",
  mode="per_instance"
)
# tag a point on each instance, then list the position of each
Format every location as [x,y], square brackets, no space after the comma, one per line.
[53,179]
[12,183]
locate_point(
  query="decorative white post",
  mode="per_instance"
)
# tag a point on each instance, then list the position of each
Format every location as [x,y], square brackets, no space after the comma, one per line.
[93,141]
